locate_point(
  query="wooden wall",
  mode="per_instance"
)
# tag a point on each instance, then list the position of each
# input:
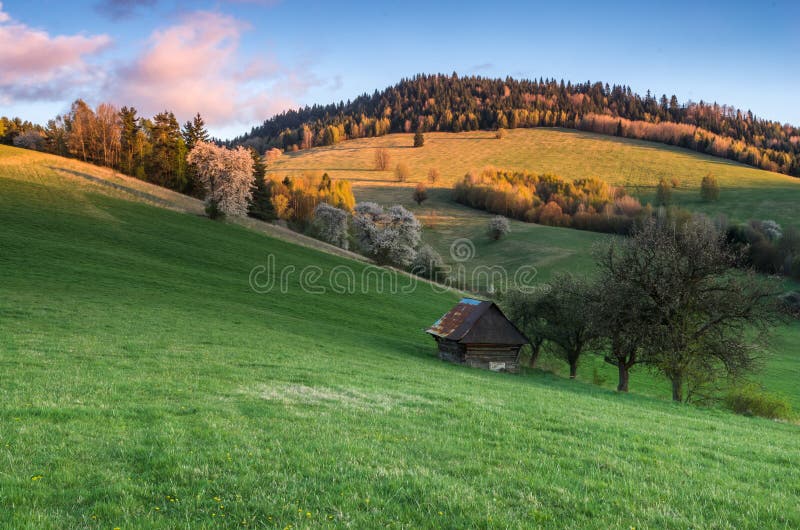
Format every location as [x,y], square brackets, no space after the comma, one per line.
[496,357]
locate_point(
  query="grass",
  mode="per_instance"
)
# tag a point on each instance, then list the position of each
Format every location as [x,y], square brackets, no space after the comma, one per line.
[144,384]
[638,165]
[746,192]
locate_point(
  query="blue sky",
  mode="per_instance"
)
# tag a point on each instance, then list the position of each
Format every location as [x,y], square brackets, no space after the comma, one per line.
[239,61]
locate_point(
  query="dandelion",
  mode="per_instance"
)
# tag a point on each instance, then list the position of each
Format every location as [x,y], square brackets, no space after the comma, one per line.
[308,514]
[37,477]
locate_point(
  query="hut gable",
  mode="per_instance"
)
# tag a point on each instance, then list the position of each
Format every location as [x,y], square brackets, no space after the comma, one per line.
[477,333]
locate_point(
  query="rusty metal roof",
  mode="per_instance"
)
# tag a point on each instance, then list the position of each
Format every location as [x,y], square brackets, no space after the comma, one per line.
[459,320]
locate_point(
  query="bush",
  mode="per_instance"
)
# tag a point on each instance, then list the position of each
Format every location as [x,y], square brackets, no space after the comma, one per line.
[419,139]
[791,302]
[433,175]
[751,400]
[709,188]
[420,194]
[500,134]
[498,227]
[213,211]
[675,182]
[402,172]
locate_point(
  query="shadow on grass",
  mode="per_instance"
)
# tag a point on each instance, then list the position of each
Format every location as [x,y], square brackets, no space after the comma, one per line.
[114,185]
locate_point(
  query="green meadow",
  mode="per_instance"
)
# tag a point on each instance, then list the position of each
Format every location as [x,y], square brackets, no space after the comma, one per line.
[143,383]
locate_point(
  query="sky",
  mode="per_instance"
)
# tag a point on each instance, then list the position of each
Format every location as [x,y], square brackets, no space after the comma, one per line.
[238,62]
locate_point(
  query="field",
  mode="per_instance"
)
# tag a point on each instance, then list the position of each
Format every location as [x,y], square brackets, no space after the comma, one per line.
[747,193]
[145,384]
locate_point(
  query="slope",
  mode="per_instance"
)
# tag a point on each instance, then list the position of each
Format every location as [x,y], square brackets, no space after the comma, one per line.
[143,383]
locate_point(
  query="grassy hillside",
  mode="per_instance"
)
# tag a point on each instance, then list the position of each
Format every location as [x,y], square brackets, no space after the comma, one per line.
[746,192]
[144,384]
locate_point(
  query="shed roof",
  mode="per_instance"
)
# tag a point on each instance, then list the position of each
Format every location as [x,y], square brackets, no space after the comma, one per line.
[457,323]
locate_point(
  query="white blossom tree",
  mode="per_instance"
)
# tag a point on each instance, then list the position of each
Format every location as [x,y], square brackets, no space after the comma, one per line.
[330,225]
[391,236]
[226,175]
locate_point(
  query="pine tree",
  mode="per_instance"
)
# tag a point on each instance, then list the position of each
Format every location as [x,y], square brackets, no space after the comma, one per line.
[261,203]
[195,131]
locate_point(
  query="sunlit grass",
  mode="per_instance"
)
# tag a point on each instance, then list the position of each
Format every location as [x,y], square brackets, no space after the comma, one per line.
[144,385]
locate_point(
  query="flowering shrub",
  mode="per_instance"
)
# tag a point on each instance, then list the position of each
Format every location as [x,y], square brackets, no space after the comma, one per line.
[390,237]
[498,227]
[330,225]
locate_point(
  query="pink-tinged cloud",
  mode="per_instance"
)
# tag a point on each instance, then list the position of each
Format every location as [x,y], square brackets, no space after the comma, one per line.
[197,65]
[36,65]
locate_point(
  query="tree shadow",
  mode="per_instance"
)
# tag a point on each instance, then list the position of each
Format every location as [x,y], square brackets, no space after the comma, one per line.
[96,180]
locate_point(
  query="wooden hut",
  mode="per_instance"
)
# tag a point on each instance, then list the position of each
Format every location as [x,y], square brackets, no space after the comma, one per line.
[476,333]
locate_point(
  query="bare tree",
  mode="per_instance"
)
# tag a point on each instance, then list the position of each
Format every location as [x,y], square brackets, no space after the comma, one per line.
[697,318]
[524,310]
[382,159]
[562,316]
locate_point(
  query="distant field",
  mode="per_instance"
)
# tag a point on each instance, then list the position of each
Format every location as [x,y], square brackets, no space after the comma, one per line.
[746,192]
[143,384]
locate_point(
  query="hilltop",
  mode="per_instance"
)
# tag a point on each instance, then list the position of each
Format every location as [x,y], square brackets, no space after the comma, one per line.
[145,383]
[449,103]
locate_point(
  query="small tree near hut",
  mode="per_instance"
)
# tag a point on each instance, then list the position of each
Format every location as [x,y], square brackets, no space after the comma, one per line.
[566,320]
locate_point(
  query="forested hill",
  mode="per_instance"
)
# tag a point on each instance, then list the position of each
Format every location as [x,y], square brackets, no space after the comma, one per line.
[452,103]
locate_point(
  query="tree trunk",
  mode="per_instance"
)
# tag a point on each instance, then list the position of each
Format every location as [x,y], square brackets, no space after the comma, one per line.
[677,389]
[622,386]
[573,370]
[535,351]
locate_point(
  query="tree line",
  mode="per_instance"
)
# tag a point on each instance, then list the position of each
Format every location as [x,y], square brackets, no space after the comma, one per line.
[666,298]
[453,104]
[587,203]
[152,149]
